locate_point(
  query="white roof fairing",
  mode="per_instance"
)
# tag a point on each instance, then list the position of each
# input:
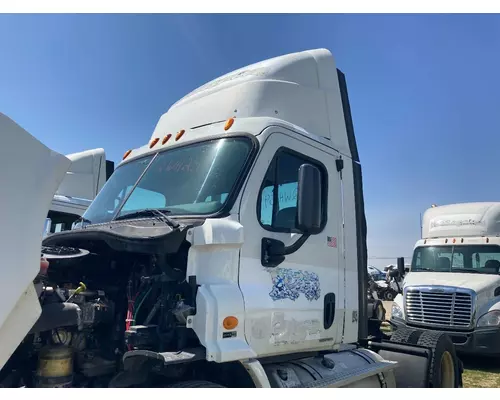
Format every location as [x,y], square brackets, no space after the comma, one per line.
[299,89]
[462,220]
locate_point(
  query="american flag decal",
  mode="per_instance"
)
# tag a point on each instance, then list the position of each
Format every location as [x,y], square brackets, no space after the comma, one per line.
[331,241]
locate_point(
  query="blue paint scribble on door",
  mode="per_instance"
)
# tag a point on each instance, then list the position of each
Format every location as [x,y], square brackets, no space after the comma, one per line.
[291,283]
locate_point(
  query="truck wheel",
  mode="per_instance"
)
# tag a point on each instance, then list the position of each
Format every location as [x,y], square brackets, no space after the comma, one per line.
[195,385]
[444,368]
[406,336]
[388,296]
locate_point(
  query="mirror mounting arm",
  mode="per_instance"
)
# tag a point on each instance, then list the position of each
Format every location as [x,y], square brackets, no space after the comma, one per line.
[296,245]
[273,251]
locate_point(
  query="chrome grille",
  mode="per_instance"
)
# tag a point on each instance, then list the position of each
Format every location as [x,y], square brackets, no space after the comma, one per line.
[445,307]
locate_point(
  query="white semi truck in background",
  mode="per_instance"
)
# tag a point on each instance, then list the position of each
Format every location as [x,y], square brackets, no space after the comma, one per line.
[454,283]
[88,172]
[228,251]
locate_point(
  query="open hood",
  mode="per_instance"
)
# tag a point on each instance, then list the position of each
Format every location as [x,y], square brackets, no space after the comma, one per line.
[30,174]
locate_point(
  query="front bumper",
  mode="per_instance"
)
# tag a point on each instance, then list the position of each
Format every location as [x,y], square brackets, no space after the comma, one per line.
[484,342]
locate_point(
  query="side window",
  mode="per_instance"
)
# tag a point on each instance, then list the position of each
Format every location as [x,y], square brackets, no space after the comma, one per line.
[277,204]
[479,260]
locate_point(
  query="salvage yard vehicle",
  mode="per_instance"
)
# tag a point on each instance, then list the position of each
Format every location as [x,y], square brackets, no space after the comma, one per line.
[454,283]
[228,251]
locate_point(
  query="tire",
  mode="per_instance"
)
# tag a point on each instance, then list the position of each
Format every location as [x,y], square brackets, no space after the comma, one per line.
[389,296]
[406,336]
[195,385]
[444,366]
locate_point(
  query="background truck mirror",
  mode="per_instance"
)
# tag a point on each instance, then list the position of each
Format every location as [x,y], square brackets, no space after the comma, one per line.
[401,266]
[309,198]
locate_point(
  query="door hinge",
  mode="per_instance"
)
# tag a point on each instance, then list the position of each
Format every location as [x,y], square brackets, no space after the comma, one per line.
[340,164]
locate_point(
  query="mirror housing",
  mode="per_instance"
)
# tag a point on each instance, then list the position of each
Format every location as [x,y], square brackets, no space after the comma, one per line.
[309,196]
[272,253]
[401,266]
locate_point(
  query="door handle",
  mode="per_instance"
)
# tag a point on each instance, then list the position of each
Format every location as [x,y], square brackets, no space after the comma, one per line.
[329,310]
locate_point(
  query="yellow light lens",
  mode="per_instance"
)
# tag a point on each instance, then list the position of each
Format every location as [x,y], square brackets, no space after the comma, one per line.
[166,138]
[179,135]
[153,142]
[127,153]
[229,124]
[230,323]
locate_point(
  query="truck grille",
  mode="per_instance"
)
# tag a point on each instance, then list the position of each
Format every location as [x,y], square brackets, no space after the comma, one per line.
[444,307]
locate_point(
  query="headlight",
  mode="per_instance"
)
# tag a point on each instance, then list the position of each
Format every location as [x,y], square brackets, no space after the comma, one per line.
[396,311]
[491,318]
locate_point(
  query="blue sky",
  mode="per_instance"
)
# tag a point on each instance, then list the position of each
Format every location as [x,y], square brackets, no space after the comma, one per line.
[424,90]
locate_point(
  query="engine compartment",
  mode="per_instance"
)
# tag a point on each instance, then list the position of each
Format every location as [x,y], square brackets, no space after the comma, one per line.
[98,303]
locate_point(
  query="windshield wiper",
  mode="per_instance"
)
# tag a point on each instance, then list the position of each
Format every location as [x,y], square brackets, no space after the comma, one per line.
[161,213]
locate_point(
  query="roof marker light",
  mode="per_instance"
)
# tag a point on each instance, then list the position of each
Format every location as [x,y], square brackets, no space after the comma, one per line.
[153,142]
[166,138]
[127,153]
[229,124]
[179,135]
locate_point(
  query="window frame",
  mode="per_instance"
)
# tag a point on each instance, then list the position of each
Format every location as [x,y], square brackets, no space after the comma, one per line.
[324,189]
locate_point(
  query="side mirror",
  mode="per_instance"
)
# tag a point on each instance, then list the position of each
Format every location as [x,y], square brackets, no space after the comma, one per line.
[309,196]
[401,266]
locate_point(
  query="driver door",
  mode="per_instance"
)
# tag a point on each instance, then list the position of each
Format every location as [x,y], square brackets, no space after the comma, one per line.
[299,304]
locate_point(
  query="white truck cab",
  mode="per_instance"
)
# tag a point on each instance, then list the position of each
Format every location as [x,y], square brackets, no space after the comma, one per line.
[228,251]
[454,283]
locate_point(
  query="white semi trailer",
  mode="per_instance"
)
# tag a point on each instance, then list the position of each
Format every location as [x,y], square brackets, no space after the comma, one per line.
[228,251]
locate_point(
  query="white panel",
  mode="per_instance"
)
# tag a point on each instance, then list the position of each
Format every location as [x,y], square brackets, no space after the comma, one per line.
[86,176]
[466,219]
[30,174]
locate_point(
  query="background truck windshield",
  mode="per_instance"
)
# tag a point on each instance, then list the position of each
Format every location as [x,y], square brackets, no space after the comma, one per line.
[479,259]
[190,180]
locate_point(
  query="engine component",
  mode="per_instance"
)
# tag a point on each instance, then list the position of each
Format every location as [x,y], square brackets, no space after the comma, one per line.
[55,367]
[182,311]
[62,337]
[97,366]
[98,312]
[95,307]
[52,253]
[142,336]
[56,315]
[65,337]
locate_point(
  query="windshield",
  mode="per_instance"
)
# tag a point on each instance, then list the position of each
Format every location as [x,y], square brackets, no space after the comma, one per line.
[477,259]
[190,180]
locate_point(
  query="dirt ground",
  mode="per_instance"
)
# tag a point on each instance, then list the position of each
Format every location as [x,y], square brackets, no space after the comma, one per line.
[478,372]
